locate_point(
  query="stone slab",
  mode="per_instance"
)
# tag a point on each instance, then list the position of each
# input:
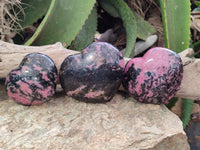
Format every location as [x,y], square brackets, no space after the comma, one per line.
[65,123]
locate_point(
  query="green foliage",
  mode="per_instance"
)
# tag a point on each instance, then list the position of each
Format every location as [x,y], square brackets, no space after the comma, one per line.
[187,106]
[108,7]
[129,23]
[41,26]
[134,24]
[172,102]
[197,3]
[72,22]
[33,10]
[86,35]
[144,29]
[63,22]
[176,23]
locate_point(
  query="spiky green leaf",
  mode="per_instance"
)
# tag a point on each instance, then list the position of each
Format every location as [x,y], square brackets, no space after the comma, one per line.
[63,22]
[32,11]
[86,35]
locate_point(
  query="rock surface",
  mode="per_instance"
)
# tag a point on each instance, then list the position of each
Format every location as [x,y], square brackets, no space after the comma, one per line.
[64,123]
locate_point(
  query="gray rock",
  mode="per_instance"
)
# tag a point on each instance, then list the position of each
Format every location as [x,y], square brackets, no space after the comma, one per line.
[64,123]
[141,46]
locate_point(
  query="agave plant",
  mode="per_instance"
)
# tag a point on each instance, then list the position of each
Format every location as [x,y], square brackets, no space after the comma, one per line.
[77,22]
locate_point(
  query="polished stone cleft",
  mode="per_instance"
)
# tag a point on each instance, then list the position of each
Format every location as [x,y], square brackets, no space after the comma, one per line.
[34,81]
[94,75]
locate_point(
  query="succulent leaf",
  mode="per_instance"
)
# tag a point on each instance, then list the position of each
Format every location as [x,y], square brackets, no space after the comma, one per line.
[129,23]
[86,35]
[144,29]
[63,22]
[33,10]
[187,106]
[176,23]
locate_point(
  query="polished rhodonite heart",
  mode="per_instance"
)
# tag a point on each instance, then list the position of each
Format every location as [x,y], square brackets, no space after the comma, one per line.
[155,77]
[34,81]
[94,75]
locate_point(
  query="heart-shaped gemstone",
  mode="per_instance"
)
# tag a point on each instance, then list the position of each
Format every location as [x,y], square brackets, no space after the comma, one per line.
[155,77]
[94,75]
[34,81]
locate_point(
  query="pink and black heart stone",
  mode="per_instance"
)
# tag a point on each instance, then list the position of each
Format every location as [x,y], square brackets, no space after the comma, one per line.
[155,77]
[34,81]
[94,75]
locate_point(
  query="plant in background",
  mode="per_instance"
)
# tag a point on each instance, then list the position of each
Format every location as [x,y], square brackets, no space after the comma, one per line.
[77,22]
